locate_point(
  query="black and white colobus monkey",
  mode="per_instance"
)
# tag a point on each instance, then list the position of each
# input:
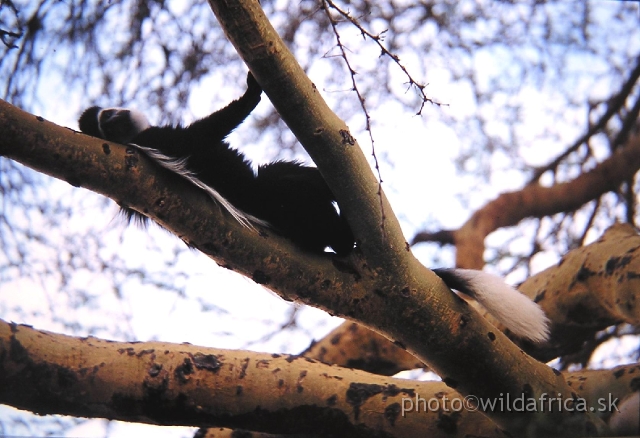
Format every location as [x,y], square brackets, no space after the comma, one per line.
[289,197]
[292,199]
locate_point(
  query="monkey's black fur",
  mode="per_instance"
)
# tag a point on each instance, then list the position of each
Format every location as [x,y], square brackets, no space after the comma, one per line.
[292,198]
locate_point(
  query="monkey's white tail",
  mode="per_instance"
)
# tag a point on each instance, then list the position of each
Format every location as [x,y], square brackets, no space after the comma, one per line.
[516,311]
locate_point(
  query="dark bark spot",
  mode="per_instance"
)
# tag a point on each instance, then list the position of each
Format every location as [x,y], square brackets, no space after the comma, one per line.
[359,393]
[208,362]
[182,371]
[391,413]
[66,378]
[130,159]
[292,357]
[392,390]
[145,352]
[616,262]
[262,363]
[260,277]
[448,423]
[632,275]
[155,369]
[347,138]
[301,377]
[17,352]
[243,370]
[619,373]
[634,385]
[583,275]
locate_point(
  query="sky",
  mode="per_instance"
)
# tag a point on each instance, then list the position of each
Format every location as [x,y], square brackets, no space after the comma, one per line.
[211,306]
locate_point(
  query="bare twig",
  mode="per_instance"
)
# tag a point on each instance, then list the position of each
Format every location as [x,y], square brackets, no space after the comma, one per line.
[353,73]
[378,38]
[615,103]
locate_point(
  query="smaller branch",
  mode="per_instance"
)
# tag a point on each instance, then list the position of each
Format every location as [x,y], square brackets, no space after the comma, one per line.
[536,201]
[378,38]
[630,120]
[441,237]
[583,356]
[615,103]
[629,200]
[352,345]
[589,224]
[7,37]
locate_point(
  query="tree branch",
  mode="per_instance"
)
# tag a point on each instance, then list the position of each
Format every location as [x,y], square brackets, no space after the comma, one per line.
[591,288]
[171,384]
[613,106]
[537,201]
[354,346]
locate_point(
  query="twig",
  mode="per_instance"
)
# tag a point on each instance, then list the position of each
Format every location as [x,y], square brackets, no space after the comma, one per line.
[352,72]
[615,104]
[378,38]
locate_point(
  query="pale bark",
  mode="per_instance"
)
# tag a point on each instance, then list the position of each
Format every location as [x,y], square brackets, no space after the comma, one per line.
[182,384]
